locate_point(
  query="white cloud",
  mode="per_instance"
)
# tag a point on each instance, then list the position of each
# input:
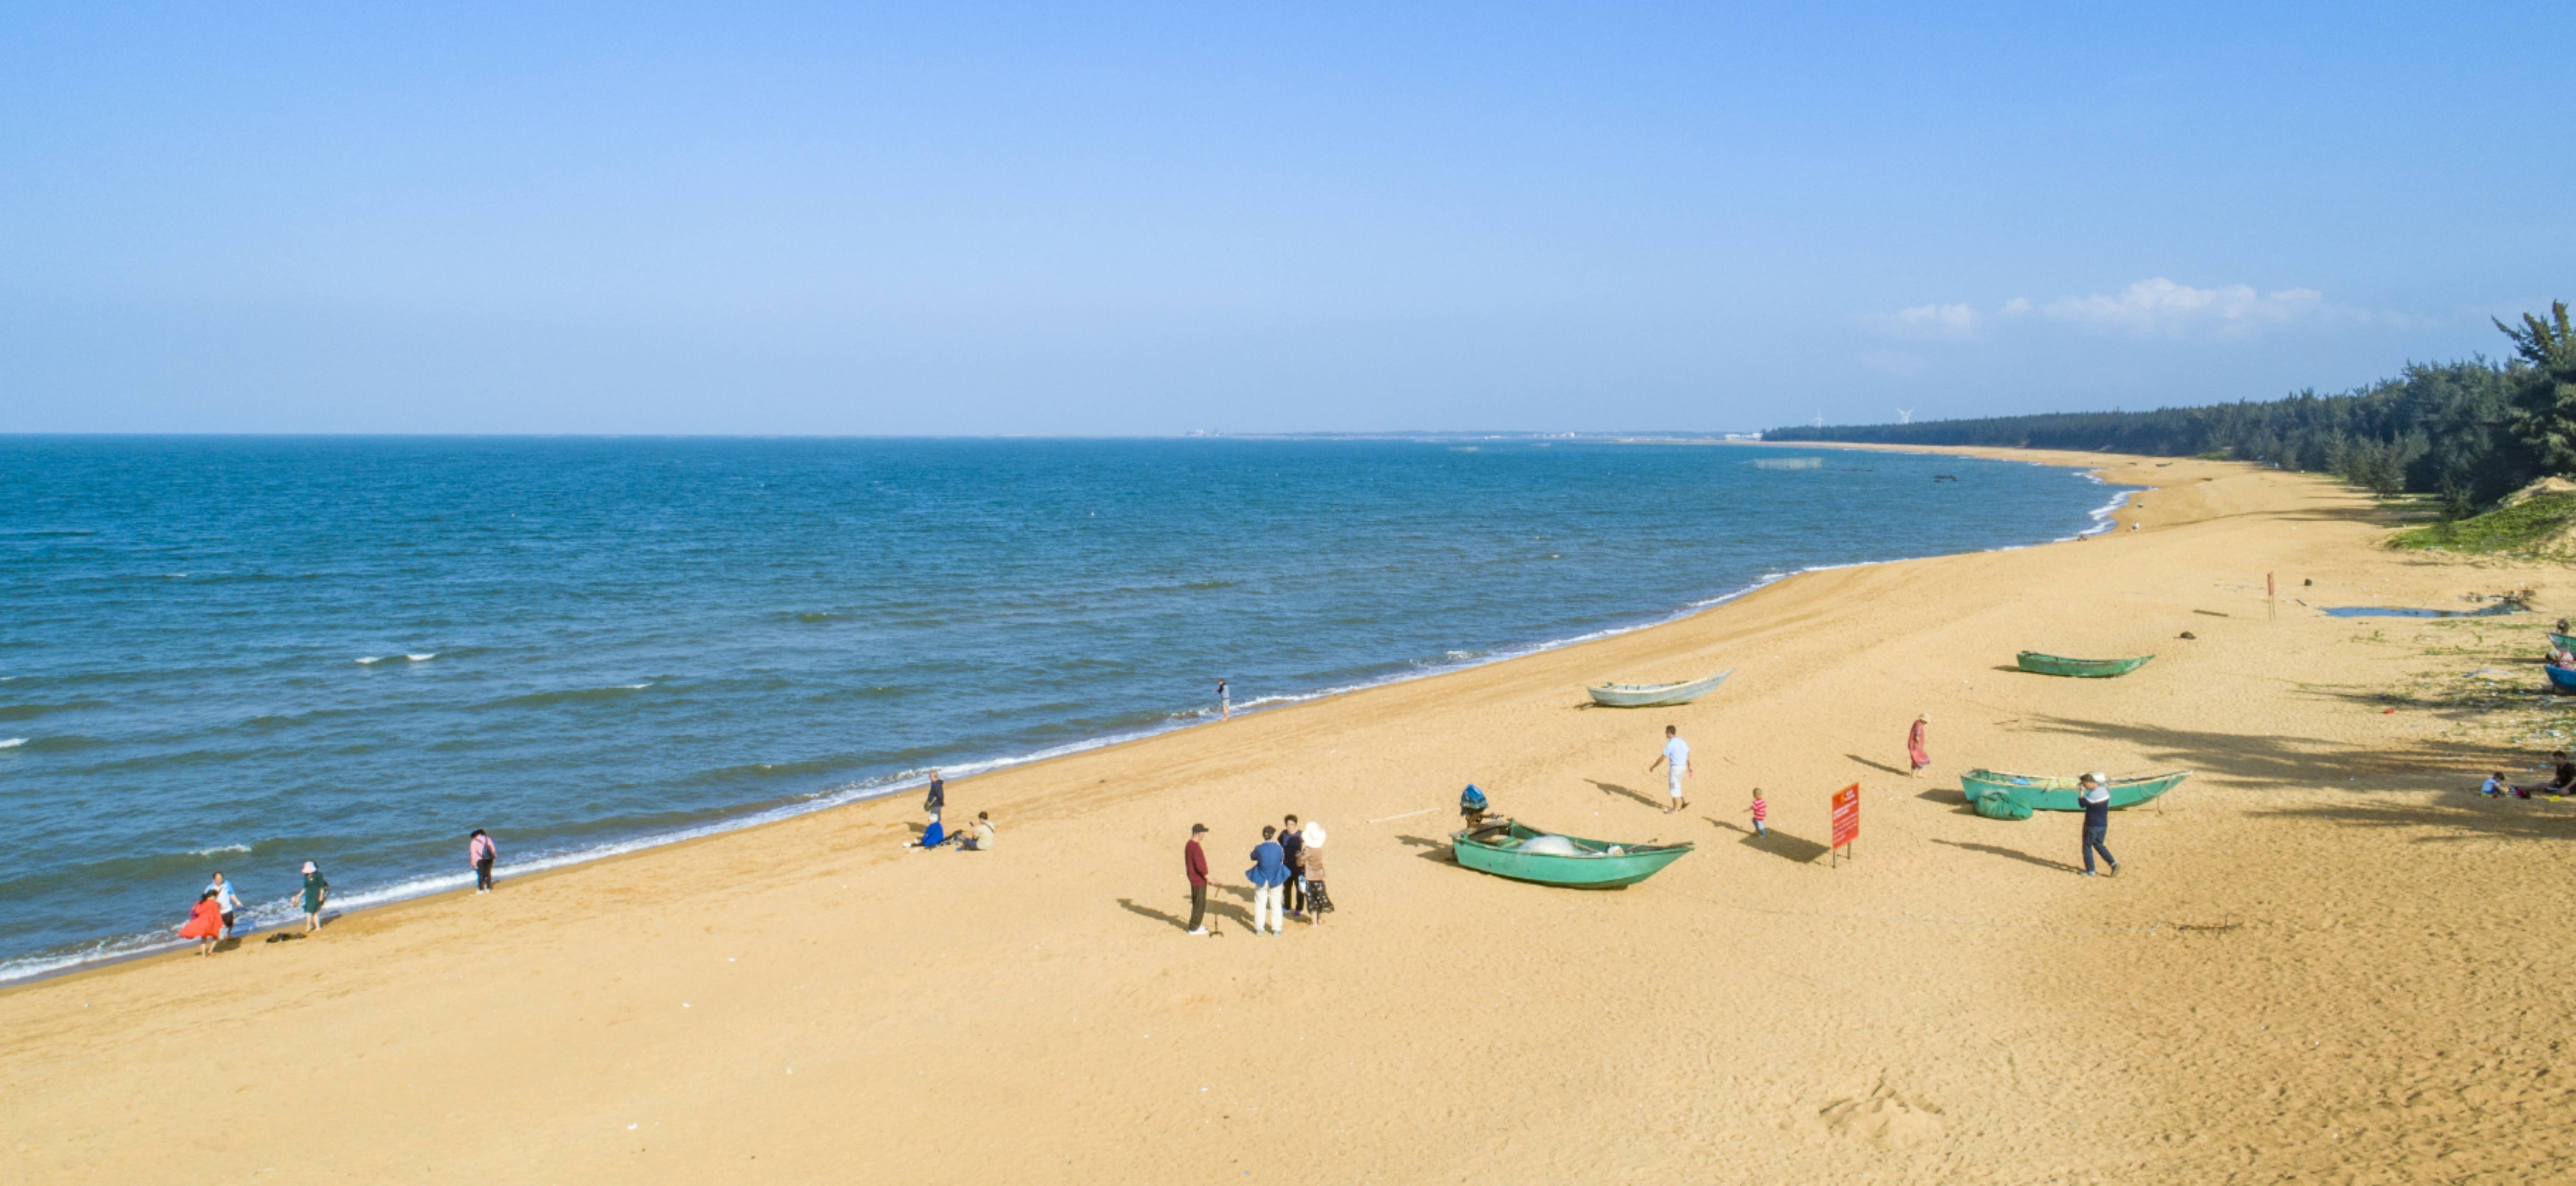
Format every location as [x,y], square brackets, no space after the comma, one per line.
[1935,321]
[2156,307]
[2160,306]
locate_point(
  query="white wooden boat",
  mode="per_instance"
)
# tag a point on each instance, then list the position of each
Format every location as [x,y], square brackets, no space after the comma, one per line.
[1656,695]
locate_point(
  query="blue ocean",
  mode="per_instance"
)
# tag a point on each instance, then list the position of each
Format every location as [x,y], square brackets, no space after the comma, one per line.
[245,653]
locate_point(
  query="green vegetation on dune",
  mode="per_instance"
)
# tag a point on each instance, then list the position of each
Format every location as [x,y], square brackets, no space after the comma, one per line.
[2539,525]
[2467,433]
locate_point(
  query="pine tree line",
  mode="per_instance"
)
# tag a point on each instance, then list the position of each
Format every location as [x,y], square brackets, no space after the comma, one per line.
[2468,431]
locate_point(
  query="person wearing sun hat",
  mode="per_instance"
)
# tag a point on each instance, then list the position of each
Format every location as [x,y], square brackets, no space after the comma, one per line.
[2095,798]
[1318,902]
[317,890]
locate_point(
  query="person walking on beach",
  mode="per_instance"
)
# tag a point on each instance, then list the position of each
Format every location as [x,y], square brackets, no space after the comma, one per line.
[1914,751]
[1292,849]
[205,923]
[1194,863]
[1677,761]
[1761,812]
[480,852]
[2096,801]
[1224,703]
[226,901]
[1269,871]
[1318,903]
[317,890]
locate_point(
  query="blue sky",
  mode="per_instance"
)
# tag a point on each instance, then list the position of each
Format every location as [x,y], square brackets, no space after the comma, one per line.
[1149,218]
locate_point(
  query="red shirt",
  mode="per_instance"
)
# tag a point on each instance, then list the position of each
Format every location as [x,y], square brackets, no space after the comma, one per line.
[1194,860]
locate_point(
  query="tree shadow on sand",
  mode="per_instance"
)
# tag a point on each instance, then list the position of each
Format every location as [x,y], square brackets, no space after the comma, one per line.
[1776,842]
[2271,760]
[1224,910]
[2014,853]
[2482,819]
[1612,788]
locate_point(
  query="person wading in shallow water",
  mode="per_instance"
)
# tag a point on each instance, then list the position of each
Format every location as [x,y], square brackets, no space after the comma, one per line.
[1224,702]
[2096,801]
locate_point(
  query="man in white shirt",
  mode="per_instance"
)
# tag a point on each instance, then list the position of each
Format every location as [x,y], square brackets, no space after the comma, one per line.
[1676,760]
[225,900]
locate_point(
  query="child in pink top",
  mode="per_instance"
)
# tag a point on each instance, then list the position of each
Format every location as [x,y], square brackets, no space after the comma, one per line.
[1761,812]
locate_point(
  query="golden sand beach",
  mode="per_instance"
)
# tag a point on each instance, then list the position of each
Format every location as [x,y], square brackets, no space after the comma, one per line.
[2325,960]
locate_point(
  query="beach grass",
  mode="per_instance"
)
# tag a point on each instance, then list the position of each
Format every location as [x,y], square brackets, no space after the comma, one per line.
[2539,526]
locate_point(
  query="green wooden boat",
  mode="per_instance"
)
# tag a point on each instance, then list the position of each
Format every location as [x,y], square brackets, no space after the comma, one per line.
[2043,793]
[1587,864]
[2086,668]
[2564,642]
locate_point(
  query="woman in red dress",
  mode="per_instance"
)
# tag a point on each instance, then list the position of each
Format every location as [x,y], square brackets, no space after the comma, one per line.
[205,923]
[1914,750]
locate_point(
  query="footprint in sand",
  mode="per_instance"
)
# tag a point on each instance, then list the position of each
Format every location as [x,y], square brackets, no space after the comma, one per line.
[1884,1119]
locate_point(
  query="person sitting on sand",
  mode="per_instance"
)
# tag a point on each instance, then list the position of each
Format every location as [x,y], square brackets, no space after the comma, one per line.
[2495,785]
[205,923]
[2561,659]
[979,838]
[2562,776]
[934,835]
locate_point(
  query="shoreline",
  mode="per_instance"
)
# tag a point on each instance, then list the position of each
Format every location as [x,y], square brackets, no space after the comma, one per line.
[2298,974]
[30,970]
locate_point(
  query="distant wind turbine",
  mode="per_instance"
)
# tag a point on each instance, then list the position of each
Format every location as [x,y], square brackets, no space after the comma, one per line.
[1905,415]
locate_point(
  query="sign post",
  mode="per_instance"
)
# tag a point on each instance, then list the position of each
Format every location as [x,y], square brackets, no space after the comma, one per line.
[1846,821]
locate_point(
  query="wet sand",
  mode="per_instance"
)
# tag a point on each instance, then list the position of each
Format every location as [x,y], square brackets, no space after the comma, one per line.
[2326,959]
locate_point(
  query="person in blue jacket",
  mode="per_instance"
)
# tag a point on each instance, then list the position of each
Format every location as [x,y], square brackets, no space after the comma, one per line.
[1269,876]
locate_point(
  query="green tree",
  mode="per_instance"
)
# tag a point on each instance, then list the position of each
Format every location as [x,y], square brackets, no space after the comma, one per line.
[2544,387]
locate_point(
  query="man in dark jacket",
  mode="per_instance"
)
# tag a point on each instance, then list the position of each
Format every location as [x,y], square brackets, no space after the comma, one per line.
[1194,862]
[1292,846]
[2096,801]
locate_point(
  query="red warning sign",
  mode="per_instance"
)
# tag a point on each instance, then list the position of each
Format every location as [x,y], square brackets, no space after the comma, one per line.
[1846,816]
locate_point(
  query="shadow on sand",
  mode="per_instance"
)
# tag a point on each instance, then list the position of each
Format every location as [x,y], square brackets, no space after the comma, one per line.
[1612,788]
[2015,854]
[1777,843]
[1216,910]
[1879,766]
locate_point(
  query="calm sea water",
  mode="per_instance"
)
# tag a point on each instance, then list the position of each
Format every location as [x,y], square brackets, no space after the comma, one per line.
[241,654]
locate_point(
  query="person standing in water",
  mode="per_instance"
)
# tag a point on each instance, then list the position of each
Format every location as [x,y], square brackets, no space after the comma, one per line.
[317,890]
[1224,702]
[1676,757]
[480,852]
[2095,798]
[1914,751]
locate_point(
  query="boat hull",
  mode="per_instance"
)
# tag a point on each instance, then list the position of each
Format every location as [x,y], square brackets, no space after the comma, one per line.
[1580,872]
[2033,661]
[2564,642]
[1655,695]
[2561,678]
[2044,793]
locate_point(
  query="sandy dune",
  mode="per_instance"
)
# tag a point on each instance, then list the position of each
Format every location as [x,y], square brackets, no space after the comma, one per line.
[2326,960]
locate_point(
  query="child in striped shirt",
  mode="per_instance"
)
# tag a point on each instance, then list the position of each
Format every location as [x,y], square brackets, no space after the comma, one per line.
[1761,812]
